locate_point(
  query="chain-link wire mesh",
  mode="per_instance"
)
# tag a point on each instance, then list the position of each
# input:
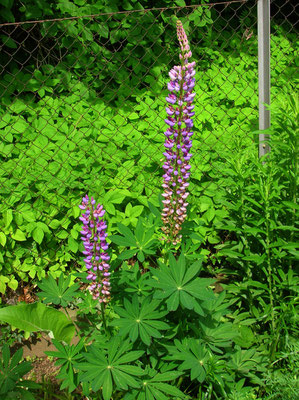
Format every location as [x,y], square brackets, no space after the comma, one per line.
[82,110]
[284,47]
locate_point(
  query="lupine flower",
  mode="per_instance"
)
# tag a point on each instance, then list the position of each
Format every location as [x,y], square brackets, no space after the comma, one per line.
[178,141]
[95,246]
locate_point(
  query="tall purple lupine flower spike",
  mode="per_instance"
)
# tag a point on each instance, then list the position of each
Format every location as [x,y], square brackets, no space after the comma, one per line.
[95,246]
[178,141]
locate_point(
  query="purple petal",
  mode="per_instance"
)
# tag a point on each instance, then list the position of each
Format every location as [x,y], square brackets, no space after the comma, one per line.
[169,122]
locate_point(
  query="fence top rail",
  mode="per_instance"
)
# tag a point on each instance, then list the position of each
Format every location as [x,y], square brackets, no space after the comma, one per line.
[226,3]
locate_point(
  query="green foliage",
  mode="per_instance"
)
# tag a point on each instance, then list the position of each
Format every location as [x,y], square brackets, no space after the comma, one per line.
[194,356]
[10,336]
[58,293]
[133,280]
[140,320]
[63,131]
[87,304]
[111,366]
[242,392]
[261,199]
[37,317]
[282,386]
[159,355]
[66,131]
[67,357]
[154,387]
[141,242]
[246,362]
[12,386]
[178,286]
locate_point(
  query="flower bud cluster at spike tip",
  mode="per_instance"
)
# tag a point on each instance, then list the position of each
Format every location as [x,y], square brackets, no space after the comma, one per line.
[184,44]
[96,259]
[178,141]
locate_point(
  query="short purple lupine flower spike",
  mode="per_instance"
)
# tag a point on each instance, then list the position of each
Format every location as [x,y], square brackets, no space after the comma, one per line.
[178,141]
[96,259]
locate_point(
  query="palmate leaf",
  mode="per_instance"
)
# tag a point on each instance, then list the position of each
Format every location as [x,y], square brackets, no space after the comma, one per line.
[140,319]
[11,373]
[160,390]
[140,241]
[88,305]
[179,285]
[67,357]
[193,355]
[109,368]
[57,293]
[153,387]
[248,360]
[214,332]
[133,280]
[139,285]
[217,337]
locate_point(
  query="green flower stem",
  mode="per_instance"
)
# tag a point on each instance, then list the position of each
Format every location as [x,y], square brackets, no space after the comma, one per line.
[103,316]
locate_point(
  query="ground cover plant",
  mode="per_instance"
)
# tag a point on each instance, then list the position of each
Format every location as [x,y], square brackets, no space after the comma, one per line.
[164,327]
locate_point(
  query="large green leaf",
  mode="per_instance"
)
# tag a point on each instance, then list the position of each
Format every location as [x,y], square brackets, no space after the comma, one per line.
[193,356]
[109,368]
[141,240]
[38,317]
[140,319]
[66,357]
[11,372]
[180,284]
[154,387]
[57,293]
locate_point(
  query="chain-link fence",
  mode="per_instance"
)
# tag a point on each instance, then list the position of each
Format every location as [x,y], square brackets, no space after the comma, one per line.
[284,45]
[82,110]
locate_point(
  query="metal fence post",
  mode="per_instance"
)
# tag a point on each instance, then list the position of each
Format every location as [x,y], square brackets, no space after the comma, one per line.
[263,16]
